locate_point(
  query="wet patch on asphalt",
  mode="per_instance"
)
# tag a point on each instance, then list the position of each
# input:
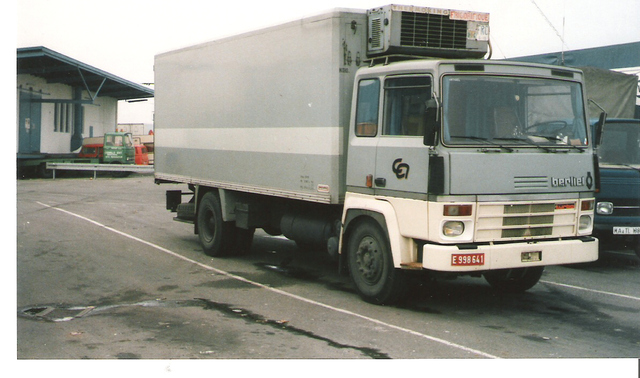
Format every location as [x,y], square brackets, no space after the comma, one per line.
[60,312]
[284,326]
[226,283]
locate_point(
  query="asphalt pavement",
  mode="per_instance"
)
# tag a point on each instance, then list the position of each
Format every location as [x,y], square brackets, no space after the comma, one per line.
[103,273]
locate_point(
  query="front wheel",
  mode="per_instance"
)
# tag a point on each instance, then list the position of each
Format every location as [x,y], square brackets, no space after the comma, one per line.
[371,265]
[514,280]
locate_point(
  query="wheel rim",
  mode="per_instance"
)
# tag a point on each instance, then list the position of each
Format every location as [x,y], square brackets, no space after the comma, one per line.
[369,260]
[209,225]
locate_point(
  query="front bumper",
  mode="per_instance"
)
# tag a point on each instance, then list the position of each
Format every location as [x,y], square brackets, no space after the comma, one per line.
[509,255]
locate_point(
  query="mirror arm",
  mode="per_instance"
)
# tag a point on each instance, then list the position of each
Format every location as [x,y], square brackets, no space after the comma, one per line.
[600,124]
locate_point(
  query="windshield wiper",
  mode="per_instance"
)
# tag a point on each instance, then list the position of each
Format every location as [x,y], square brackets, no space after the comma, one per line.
[486,140]
[529,142]
[556,139]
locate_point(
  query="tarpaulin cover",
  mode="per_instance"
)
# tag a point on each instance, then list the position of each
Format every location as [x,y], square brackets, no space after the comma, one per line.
[614,91]
[607,57]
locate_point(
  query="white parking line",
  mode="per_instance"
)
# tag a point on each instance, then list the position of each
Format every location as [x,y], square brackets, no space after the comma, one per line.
[592,290]
[290,295]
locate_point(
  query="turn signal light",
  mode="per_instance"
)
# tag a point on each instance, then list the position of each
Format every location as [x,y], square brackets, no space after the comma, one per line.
[457,210]
[369,181]
[587,205]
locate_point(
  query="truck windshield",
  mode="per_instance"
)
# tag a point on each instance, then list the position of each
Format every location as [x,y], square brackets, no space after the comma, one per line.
[498,110]
[620,144]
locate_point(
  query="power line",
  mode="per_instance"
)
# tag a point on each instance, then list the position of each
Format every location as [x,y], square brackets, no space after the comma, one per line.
[552,27]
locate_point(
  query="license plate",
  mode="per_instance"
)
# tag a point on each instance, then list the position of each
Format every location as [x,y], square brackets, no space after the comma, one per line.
[626,230]
[467,259]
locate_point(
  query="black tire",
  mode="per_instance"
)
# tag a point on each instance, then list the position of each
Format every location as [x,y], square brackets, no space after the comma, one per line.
[186,211]
[119,174]
[514,280]
[371,265]
[43,172]
[216,236]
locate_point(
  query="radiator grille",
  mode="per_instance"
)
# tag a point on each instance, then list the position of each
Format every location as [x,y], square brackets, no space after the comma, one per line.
[626,207]
[536,220]
[530,182]
[432,30]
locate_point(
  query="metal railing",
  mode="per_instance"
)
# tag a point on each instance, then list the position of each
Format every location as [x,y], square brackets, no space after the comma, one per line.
[99,167]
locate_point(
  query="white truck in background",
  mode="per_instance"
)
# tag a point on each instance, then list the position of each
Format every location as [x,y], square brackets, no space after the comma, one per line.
[383,136]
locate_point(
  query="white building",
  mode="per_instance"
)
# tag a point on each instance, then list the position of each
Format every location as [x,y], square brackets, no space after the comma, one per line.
[60,101]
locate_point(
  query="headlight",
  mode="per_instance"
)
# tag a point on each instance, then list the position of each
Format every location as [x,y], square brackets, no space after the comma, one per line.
[585,222]
[453,228]
[604,208]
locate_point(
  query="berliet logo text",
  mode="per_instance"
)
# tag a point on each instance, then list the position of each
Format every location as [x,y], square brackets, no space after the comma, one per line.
[567,181]
[573,181]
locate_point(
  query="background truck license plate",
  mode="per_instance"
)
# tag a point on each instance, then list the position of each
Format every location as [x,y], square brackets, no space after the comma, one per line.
[626,230]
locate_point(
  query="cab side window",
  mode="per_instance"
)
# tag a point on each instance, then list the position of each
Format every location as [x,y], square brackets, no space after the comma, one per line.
[405,105]
[367,108]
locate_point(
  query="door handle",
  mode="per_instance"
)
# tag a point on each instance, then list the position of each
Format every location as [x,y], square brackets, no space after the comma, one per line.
[381,182]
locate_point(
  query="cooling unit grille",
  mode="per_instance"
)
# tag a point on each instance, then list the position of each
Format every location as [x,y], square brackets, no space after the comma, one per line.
[432,30]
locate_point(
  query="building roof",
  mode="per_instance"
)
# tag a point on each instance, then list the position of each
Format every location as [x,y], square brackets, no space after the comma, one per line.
[58,68]
[607,57]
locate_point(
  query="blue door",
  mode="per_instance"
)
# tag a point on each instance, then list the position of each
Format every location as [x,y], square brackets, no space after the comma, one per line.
[29,123]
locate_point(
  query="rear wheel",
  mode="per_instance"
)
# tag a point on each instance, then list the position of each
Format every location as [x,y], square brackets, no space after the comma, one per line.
[43,172]
[371,265]
[119,174]
[215,235]
[514,280]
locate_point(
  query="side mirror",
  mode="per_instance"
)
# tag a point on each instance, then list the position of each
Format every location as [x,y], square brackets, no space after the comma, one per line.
[599,128]
[431,116]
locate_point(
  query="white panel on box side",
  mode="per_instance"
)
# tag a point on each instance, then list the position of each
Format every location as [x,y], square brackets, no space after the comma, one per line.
[265,112]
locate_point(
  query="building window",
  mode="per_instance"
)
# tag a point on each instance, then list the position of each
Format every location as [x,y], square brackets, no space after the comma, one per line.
[63,118]
[56,115]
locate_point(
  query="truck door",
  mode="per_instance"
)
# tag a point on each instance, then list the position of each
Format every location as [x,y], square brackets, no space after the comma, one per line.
[401,156]
[361,162]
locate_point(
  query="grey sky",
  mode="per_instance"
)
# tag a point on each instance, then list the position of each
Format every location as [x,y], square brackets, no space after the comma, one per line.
[123,36]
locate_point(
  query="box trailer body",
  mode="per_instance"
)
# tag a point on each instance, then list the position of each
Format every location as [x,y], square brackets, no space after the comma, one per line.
[266,111]
[432,163]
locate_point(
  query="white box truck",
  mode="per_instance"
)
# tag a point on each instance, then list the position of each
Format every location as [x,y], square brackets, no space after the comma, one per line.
[384,137]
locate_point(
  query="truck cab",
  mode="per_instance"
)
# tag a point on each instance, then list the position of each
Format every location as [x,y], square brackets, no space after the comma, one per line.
[617,219]
[472,167]
[91,150]
[118,148]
